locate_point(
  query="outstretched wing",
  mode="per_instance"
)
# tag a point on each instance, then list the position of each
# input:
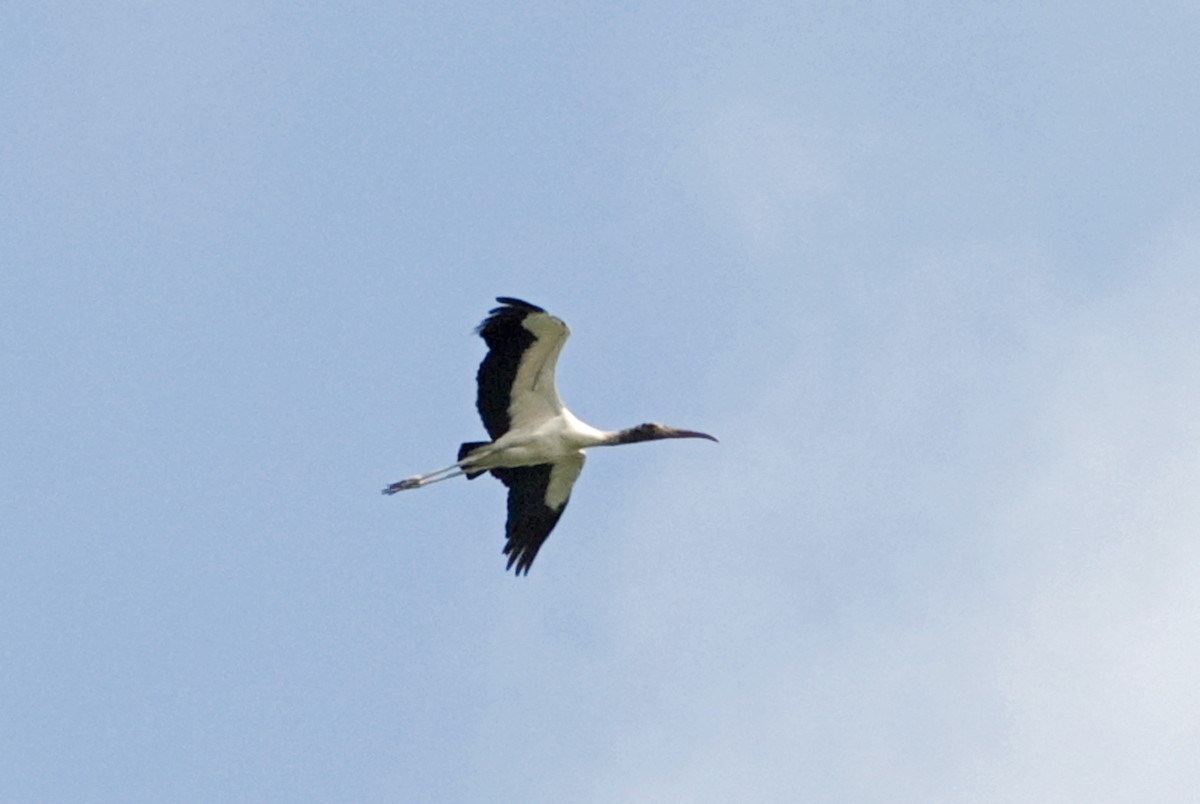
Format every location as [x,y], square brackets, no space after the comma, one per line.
[537,496]
[516,378]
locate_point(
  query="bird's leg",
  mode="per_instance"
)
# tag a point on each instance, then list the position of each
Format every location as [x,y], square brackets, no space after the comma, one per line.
[416,481]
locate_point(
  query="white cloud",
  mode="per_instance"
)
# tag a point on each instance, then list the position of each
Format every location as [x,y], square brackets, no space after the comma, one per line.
[1101,653]
[760,172]
[1003,610]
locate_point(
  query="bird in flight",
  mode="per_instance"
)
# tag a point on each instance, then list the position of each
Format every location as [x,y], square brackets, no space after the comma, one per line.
[537,445]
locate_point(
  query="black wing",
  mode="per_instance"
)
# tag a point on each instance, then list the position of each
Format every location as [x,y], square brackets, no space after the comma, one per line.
[516,378]
[537,497]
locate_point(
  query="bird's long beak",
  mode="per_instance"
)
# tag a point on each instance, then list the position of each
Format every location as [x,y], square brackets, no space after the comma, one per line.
[689,434]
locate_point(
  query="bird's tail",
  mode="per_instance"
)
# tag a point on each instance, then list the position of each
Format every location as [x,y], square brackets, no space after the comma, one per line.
[465,450]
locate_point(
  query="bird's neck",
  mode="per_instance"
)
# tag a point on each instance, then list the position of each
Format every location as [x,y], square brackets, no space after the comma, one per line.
[631,435]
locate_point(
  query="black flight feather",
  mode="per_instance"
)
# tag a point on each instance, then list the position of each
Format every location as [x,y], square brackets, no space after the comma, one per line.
[530,520]
[507,340]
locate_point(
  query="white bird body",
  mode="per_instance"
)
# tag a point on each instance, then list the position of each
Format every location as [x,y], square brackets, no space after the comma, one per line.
[561,436]
[537,444]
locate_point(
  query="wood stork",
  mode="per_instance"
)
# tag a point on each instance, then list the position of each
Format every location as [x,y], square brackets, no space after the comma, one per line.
[537,444]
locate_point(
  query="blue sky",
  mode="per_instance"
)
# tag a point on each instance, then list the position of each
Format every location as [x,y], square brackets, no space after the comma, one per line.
[927,269]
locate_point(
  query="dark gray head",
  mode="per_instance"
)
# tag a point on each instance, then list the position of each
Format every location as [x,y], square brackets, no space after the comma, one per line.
[652,431]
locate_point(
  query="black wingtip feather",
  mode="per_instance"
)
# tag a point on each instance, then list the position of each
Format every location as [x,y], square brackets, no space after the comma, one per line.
[529,519]
[510,310]
[507,340]
[524,305]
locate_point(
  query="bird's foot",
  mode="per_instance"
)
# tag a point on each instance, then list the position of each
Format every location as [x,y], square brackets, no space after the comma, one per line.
[403,485]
